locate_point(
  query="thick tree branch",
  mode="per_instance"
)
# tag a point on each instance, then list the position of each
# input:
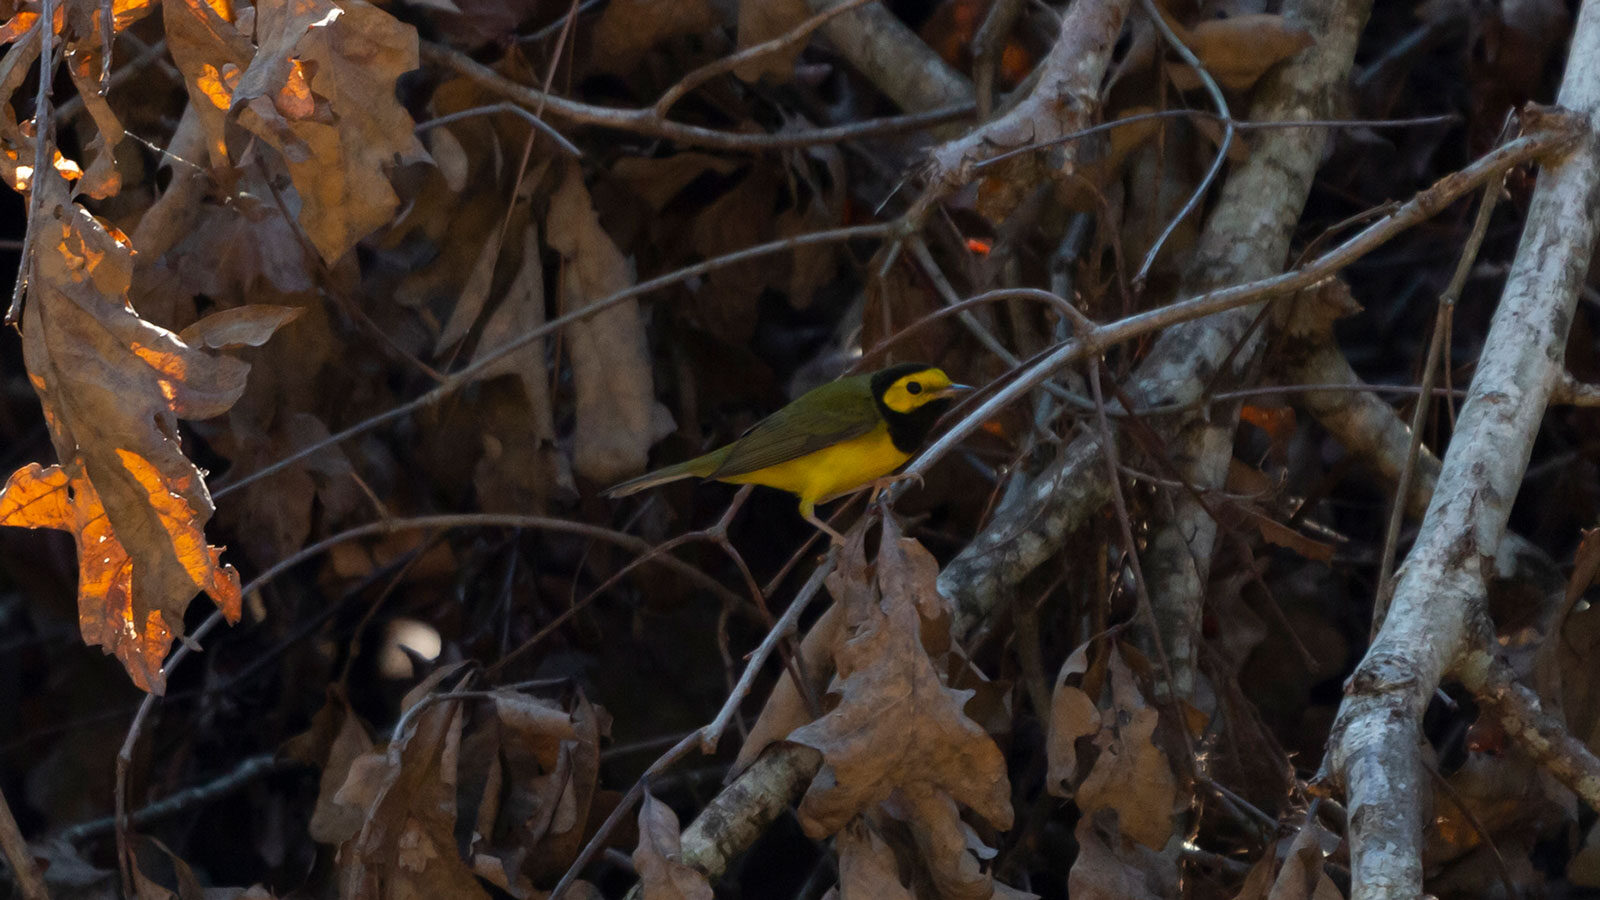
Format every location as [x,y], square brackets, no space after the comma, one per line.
[1374,750]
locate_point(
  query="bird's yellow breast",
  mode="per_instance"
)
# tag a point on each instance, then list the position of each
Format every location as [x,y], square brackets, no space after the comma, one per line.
[833,470]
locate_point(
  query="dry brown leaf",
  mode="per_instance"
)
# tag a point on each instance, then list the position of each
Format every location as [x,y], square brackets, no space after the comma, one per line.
[405,797]
[657,181]
[336,740]
[1303,876]
[618,417]
[242,326]
[867,867]
[628,28]
[1109,867]
[896,724]
[948,848]
[205,42]
[521,467]
[726,303]
[553,769]
[1131,775]
[1072,715]
[113,387]
[1238,50]
[763,20]
[661,875]
[321,90]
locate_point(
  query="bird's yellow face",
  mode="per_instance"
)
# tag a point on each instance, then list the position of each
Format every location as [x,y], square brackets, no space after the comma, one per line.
[910,392]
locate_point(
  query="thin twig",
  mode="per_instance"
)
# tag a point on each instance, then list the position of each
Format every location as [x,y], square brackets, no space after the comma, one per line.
[710,70]
[43,137]
[515,109]
[623,808]
[1223,113]
[1419,415]
[785,626]
[23,867]
[1417,121]
[645,121]
[248,770]
[1426,204]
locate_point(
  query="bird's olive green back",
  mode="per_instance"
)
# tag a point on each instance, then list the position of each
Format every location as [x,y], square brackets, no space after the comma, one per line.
[827,415]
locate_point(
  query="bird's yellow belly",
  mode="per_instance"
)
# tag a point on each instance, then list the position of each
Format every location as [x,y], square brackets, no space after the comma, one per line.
[831,471]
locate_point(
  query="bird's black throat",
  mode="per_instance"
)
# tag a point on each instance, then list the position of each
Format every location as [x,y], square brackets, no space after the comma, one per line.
[908,430]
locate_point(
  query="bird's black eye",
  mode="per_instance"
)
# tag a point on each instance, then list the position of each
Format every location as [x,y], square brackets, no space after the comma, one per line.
[914,387]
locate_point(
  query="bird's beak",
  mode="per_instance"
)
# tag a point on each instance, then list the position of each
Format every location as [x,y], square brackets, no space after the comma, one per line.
[953,390]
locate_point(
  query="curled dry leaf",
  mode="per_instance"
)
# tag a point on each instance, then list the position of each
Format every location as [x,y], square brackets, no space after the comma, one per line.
[1131,775]
[948,848]
[113,387]
[1301,877]
[896,723]
[661,875]
[242,326]
[336,739]
[618,417]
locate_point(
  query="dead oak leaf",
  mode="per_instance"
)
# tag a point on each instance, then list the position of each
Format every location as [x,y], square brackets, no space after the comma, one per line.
[113,386]
[1131,775]
[896,723]
[321,90]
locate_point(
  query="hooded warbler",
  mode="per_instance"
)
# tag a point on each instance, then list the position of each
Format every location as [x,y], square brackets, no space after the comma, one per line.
[830,441]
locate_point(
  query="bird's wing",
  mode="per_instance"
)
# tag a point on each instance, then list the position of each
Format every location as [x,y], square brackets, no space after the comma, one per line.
[834,412]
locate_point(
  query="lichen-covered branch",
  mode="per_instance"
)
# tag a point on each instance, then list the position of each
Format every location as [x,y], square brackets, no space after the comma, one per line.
[1373,752]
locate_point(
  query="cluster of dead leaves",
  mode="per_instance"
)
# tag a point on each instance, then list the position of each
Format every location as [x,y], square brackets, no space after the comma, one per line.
[905,758]
[313,81]
[516,774]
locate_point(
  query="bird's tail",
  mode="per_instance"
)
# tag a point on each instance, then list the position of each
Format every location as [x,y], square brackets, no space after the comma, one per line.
[700,466]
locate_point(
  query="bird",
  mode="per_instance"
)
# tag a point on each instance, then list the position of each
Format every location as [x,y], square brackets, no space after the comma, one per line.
[830,441]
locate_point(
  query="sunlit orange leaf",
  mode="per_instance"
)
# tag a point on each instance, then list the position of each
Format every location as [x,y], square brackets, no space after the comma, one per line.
[294,100]
[17,26]
[36,497]
[126,12]
[112,387]
[215,87]
[335,66]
